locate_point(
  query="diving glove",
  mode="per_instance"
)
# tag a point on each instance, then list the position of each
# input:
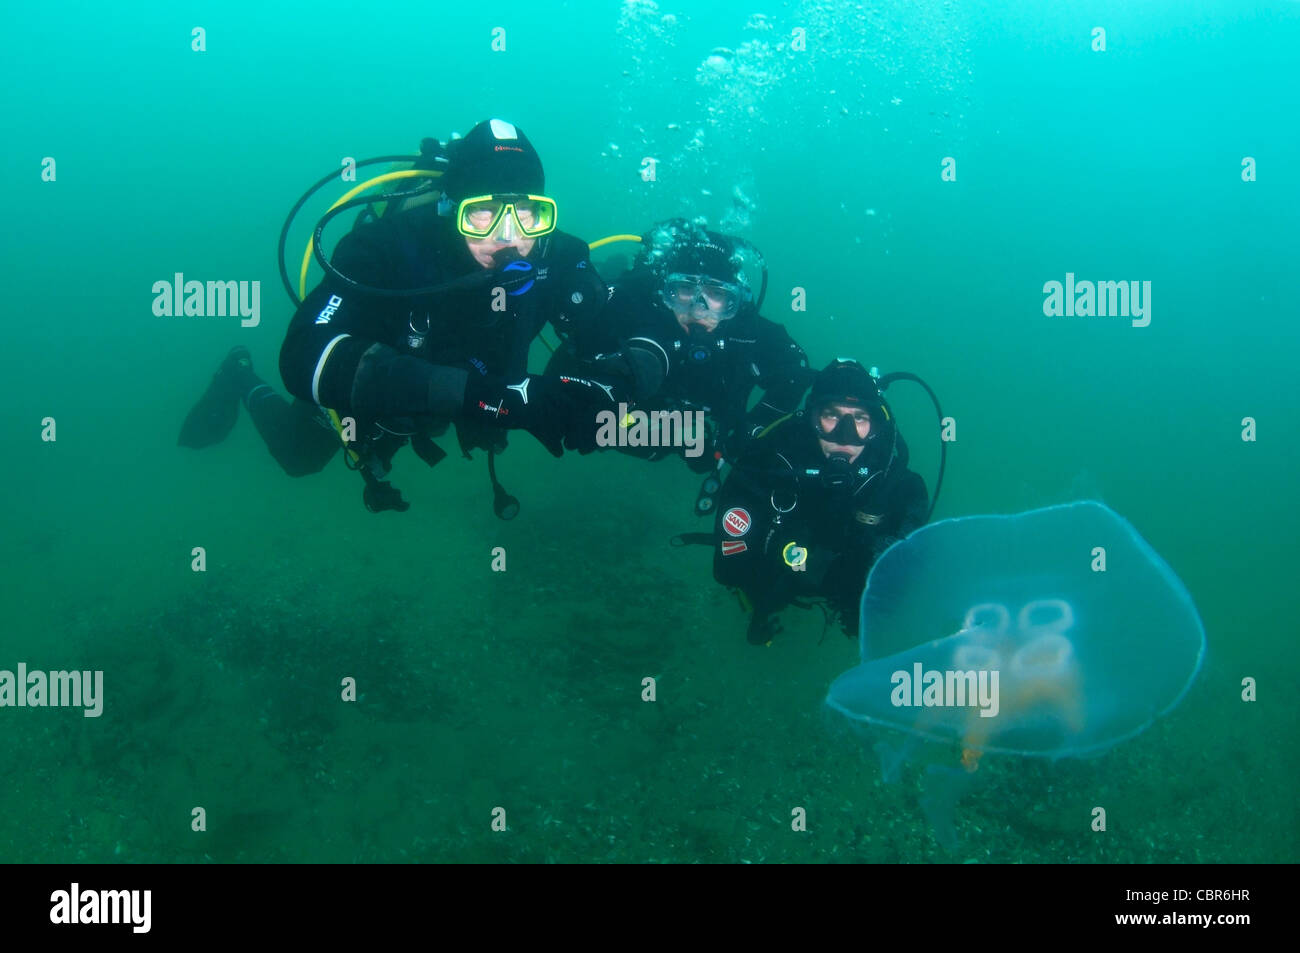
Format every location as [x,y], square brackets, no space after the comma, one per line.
[560,411]
[638,369]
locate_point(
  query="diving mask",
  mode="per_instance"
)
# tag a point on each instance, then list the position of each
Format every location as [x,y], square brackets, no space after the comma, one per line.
[687,292]
[506,217]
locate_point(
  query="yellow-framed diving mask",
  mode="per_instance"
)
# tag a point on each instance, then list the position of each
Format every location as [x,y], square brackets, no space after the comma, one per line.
[506,217]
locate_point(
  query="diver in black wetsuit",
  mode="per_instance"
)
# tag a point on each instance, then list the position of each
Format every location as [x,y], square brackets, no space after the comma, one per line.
[688,302]
[425,320]
[813,502]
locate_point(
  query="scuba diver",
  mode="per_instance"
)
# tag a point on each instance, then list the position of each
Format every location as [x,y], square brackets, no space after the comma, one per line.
[424,320]
[815,500]
[688,302]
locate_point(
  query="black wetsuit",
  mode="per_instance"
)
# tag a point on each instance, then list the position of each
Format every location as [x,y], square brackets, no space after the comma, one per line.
[715,373]
[398,365]
[770,501]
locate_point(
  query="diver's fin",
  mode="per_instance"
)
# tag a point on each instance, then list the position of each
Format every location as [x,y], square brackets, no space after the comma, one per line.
[213,417]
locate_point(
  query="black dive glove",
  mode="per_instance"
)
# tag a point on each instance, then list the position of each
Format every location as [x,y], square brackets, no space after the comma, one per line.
[638,369]
[560,411]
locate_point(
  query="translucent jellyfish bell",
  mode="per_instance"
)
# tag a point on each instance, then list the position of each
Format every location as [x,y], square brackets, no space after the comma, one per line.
[1055,632]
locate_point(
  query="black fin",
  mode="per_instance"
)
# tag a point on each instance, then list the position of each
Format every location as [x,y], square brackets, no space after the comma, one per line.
[213,417]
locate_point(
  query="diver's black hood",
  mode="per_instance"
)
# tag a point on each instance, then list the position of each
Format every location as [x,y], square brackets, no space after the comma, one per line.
[494,157]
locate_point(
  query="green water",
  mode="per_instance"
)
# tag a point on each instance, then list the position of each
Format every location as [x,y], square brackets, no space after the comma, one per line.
[521,690]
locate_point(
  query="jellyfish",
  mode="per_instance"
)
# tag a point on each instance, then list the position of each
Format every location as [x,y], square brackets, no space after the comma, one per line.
[1054,633]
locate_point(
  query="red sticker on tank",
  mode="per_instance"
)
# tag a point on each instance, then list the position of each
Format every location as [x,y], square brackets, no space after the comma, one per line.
[736,521]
